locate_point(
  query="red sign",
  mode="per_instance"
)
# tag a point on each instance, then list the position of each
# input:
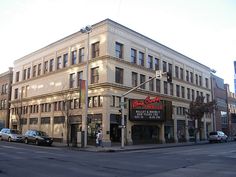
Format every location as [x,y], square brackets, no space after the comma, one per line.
[147,103]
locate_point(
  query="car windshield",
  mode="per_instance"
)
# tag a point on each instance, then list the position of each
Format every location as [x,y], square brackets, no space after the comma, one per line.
[14,132]
[213,133]
[39,133]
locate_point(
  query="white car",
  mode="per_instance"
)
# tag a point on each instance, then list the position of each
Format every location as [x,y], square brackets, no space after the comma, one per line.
[10,135]
[217,136]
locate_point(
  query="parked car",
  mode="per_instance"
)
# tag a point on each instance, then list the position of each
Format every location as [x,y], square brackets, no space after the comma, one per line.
[217,136]
[37,137]
[10,135]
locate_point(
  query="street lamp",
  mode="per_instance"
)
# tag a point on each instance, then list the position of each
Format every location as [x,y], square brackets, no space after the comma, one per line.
[87,30]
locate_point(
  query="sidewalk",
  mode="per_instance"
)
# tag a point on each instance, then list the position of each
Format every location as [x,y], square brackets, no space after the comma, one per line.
[128,147]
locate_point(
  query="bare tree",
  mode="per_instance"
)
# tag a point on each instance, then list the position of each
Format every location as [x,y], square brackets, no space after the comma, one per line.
[197,109]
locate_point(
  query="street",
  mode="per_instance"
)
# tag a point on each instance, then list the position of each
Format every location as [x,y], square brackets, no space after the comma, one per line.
[208,160]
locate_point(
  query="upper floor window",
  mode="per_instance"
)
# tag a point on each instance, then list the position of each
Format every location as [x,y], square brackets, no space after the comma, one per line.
[65,60]
[94,75]
[45,67]
[141,58]
[164,66]
[170,68]
[73,57]
[142,80]
[176,71]
[81,55]
[51,64]
[177,90]
[151,84]
[95,50]
[183,92]
[188,93]
[16,93]
[193,95]
[134,79]
[17,76]
[187,75]
[196,77]
[157,64]
[181,73]
[24,74]
[72,80]
[150,62]
[133,56]
[59,62]
[171,89]
[119,75]
[200,80]
[79,77]
[158,85]
[191,77]
[119,50]
[165,87]
[28,73]
[39,69]
[34,70]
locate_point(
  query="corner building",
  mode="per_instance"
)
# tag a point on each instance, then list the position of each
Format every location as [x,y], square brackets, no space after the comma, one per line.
[47,94]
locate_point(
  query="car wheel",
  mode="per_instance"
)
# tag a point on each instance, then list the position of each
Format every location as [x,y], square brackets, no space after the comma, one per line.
[26,141]
[37,142]
[9,139]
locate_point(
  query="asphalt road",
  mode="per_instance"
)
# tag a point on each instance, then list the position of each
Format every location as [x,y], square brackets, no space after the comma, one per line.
[208,160]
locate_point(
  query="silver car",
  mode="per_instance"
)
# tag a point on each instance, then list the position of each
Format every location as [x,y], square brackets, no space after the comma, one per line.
[10,135]
[217,136]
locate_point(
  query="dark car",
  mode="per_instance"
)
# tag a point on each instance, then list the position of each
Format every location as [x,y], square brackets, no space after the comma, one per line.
[37,137]
[10,135]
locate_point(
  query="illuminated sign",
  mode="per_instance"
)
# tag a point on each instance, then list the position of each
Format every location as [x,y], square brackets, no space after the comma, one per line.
[149,109]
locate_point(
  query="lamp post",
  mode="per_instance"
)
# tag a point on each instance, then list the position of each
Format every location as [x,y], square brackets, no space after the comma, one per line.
[87,30]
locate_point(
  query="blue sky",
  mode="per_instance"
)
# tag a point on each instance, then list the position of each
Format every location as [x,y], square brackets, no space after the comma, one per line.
[204,30]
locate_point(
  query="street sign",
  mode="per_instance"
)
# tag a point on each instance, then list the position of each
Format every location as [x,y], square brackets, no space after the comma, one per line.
[158,74]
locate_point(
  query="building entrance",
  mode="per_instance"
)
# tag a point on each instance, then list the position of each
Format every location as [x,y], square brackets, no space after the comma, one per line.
[145,134]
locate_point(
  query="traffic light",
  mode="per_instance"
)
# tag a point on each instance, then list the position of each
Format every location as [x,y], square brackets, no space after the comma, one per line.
[169,76]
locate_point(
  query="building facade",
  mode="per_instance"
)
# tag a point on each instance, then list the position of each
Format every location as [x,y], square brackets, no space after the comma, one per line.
[5,97]
[47,89]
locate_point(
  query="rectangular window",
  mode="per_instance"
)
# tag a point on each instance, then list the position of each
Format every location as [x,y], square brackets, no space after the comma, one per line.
[73,57]
[34,70]
[151,84]
[94,75]
[150,62]
[24,74]
[193,95]
[95,50]
[100,101]
[72,80]
[187,76]
[59,62]
[170,69]
[79,77]
[157,64]
[59,120]
[188,93]
[134,79]
[45,70]
[207,98]
[81,55]
[33,121]
[158,85]
[133,56]
[119,50]
[191,77]
[177,90]
[164,66]
[65,60]
[45,120]
[200,80]
[182,73]
[16,93]
[196,77]
[142,80]
[28,73]
[171,89]
[176,71]
[183,92]
[141,58]
[17,76]
[51,63]
[165,87]
[119,74]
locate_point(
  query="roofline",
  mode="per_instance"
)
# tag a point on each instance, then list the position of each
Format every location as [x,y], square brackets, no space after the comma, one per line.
[109,20]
